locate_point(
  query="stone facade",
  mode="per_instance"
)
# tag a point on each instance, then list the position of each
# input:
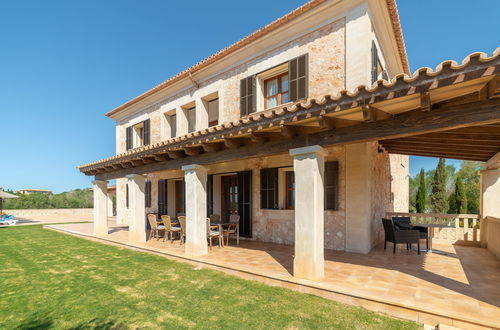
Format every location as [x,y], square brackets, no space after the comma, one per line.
[327,41]
[326,51]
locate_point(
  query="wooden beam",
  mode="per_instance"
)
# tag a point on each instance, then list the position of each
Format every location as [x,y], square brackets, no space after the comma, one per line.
[371,114]
[137,162]
[258,138]
[335,122]
[176,154]
[441,155]
[117,166]
[443,147]
[161,157]
[148,159]
[193,151]
[288,131]
[212,147]
[442,141]
[127,164]
[425,101]
[232,143]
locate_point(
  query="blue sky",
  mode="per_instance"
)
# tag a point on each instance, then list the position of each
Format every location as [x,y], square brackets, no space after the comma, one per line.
[63,64]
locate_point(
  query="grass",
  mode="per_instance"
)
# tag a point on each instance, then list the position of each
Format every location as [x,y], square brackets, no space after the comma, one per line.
[52,280]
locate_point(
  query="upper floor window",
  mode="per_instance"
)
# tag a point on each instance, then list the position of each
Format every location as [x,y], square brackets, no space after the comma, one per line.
[170,127]
[287,82]
[213,112]
[378,71]
[276,91]
[191,118]
[138,135]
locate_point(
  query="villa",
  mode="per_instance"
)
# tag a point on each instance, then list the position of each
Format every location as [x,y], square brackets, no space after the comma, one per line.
[303,129]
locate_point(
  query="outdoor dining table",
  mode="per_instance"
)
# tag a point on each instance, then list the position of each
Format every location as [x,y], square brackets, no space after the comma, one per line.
[225,224]
[430,232]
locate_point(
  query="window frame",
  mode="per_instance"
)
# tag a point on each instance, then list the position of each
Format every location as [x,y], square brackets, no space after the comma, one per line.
[280,93]
[289,189]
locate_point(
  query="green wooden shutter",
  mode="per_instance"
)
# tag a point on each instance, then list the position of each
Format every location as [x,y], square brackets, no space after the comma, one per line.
[126,195]
[146,132]
[147,194]
[374,62]
[210,194]
[298,71]
[247,96]
[162,197]
[128,137]
[331,185]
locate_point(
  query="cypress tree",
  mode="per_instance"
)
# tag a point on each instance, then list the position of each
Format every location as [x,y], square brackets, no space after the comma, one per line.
[439,201]
[421,192]
[460,196]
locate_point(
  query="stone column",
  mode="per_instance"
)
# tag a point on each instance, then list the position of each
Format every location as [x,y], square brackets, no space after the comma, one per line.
[100,207]
[196,210]
[137,208]
[309,167]
[358,198]
[110,203]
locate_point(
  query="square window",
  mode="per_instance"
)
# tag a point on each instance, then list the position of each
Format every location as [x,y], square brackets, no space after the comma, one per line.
[213,112]
[276,90]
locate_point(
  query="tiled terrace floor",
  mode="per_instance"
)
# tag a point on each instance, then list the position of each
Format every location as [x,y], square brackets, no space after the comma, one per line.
[463,285]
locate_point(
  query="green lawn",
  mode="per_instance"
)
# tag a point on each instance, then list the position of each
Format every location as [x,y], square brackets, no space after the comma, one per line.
[52,280]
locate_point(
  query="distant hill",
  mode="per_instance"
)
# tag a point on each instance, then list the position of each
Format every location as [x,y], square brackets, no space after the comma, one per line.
[78,198]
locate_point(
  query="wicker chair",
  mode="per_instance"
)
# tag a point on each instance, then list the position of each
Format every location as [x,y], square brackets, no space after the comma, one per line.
[396,236]
[214,231]
[155,227]
[182,222]
[233,228]
[404,223]
[169,228]
[215,218]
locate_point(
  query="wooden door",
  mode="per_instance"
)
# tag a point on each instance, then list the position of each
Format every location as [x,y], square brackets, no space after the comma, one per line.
[229,193]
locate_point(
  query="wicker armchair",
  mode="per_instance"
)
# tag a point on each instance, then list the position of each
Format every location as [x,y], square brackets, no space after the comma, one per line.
[214,231]
[169,228]
[404,223]
[233,228]
[396,236]
[155,227]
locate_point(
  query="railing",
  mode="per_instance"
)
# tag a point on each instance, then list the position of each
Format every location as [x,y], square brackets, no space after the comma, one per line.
[465,227]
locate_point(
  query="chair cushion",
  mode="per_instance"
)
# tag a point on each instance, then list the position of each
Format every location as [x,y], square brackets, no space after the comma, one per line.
[161,227]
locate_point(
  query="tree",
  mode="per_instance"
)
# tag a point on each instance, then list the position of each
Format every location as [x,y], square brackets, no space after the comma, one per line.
[458,198]
[421,193]
[469,170]
[439,200]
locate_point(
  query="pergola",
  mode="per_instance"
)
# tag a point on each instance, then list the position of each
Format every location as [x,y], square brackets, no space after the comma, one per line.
[452,112]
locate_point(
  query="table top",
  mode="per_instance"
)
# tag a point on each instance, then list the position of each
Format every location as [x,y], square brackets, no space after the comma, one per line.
[432,225]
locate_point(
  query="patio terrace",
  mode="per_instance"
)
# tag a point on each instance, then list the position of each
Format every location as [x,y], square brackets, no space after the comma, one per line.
[458,289]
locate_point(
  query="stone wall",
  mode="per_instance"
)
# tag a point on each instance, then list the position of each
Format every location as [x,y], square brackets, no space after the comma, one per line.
[325,47]
[56,215]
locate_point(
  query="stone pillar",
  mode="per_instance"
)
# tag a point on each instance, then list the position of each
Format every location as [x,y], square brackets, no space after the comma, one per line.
[110,203]
[137,208]
[100,207]
[490,188]
[196,210]
[309,168]
[358,198]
